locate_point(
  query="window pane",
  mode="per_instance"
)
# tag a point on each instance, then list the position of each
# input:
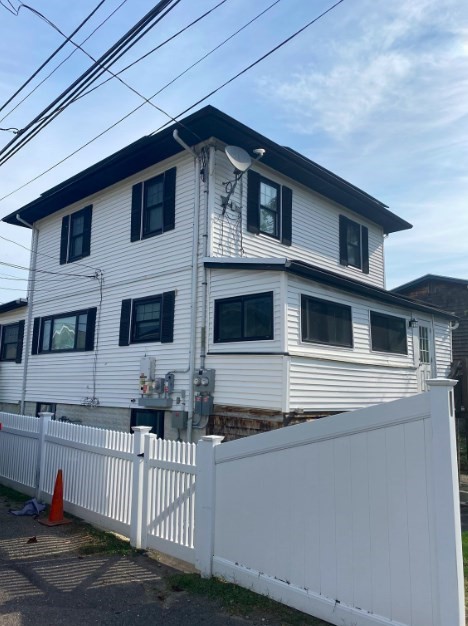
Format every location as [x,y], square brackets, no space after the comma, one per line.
[153,220]
[354,244]
[229,320]
[77,224]
[76,247]
[46,326]
[267,222]
[388,333]
[269,205]
[258,317]
[81,337]
[268,197]
[424,354]
[326,322]
[63,335]
[147,321]
[9,342]
[154,193]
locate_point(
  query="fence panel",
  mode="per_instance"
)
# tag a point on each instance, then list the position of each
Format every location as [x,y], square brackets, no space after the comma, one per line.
[97,470]
[19,451]
[169,511]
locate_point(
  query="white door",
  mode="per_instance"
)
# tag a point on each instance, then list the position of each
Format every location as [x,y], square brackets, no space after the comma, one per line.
[425,349]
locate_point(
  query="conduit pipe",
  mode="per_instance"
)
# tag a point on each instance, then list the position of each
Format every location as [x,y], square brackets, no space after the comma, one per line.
[31,283]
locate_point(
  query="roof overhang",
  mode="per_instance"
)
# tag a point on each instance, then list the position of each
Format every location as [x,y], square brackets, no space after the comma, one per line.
[319,275]
[202,125]
[14,304]
[430,278]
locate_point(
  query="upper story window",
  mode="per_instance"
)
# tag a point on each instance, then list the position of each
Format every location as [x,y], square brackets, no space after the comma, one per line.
[75,241]
[388,333]
[144,320]
[153,206]
[11,342]
[244,318]
[354,244]
[66,332]
[326,322]
[269,208]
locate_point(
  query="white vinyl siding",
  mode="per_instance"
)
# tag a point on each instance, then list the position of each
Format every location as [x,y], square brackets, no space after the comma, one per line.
[315,228]
[11,373]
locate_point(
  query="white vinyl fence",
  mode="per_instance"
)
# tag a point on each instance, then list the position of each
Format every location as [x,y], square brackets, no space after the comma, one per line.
[353,518]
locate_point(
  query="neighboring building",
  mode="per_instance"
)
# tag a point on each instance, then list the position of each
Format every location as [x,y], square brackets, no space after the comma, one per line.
[449,294]
[173,266]
[12,316]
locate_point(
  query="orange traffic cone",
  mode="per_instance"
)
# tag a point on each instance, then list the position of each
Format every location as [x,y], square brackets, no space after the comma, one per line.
[56,508]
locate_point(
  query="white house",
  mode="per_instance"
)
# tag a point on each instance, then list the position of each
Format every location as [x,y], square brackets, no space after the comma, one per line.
[185,293]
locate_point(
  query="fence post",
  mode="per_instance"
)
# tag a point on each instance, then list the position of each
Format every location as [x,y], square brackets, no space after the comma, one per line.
[448,548]
[136,518]
[205,504]
[44,420]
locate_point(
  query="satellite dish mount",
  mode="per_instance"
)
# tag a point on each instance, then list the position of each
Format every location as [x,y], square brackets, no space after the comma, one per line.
[241,160]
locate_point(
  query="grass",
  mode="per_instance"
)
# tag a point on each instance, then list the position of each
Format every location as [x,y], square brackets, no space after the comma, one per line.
[239,601]
[12,497]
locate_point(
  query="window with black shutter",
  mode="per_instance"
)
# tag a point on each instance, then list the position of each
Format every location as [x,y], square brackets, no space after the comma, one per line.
[65,332]
[11,342]
[75,242]
[153,206]
[354,244]
[149,319]
[269,208]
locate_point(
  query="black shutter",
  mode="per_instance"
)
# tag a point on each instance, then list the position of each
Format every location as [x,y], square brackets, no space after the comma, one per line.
[90,329]
[35,337]
[0,341]
[169,199]
[253,202]
[88,215]
[365,249]
[343,240]
[137,194]
[64,239]
[125,315]
[167,326]
[19,345]
[286,216]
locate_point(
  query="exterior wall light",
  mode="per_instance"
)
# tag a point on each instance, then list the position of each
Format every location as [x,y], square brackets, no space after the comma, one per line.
[413,322]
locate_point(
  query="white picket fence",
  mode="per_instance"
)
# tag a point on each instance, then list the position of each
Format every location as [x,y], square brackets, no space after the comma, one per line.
[353,518]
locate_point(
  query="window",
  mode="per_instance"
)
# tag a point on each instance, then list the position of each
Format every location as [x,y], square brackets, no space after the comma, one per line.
[354,244]
[46,407]
[326,322]
[424,348]
[68,332]
[75,241]
[147,319]
[148,417]
[269,208]
[388,333]
[11,342]
[153,206]
[244,318]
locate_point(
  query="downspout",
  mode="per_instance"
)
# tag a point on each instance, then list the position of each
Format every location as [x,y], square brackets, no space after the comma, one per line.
[31,283]
[194,278]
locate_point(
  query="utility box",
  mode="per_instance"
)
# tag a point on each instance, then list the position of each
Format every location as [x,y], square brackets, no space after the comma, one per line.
[147,367]
[204,381]
[158,386]
[203,405]
[179,419]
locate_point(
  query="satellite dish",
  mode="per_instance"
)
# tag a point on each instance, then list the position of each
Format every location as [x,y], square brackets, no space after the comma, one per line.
[238,157]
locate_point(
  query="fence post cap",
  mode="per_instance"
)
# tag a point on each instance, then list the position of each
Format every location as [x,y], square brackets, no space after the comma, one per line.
[213,439]
[441,382]
[141,429]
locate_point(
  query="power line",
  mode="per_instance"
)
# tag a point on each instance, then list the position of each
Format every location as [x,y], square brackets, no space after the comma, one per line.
[60,64]
[119,121]
[249,67]
[125,43]
[22,267]
[67,39]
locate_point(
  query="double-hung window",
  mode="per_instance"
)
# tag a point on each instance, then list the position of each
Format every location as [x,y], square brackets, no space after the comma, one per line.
[269,208]
[388,333]
[326,322]
[153,206]
[75,241]
[354,244]
[11,342]
[144,320]
[66,332]
[244,318]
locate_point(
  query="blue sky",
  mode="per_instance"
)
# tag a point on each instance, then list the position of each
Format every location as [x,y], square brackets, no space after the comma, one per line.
[376,91]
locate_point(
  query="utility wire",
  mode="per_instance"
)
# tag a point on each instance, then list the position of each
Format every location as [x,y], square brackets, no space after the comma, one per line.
[122,46]
[22,267]
[119,121]
[249,67]
[59,65]
[62,45]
